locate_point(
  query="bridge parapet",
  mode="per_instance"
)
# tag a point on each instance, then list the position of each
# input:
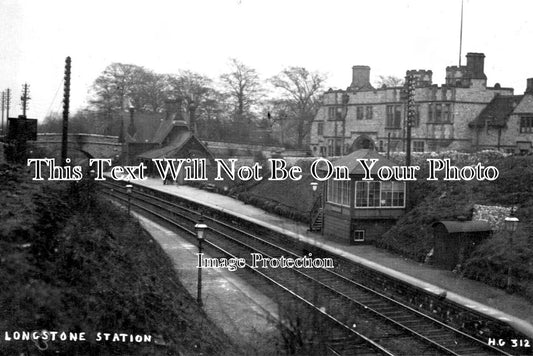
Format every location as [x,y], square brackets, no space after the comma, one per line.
[98,146]
[78,137]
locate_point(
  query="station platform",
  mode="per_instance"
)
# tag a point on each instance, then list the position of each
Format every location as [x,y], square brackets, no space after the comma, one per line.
[247,316]
[478,296]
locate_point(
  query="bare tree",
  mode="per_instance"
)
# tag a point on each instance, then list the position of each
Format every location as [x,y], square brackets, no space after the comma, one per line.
[122,83]
[188,85]
[114,85]
[389,81]
[244,90]
[149,92]
[300,93]
[120,86]
[203,103]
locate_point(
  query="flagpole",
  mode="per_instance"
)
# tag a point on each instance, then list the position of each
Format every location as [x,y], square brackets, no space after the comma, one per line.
[461,34]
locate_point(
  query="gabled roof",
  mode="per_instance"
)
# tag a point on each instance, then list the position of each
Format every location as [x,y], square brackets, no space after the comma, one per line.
[496,113]
[146,125]
[351,161]
[175,146]
[164,129]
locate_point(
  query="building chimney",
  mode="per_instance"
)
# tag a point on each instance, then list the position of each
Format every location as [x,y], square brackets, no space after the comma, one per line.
[529,87]
[475,63]
[173,109]
[131,128]
[361,78]
[170,108]
[179,110]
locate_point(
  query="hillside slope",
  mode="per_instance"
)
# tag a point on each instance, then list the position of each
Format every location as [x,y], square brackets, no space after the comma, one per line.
[431,201]
[74,263]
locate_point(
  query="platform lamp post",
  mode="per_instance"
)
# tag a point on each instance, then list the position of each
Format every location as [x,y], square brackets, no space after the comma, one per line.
[314,187]
[511,225]
[200,235]
[411,117]
[92,175]
[92,184]
[129,189]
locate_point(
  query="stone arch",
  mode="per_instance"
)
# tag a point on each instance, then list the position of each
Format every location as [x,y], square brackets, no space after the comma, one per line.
[362,142]
[89,145]
[75,154]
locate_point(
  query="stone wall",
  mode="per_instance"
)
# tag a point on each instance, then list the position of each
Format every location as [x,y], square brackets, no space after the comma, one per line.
[495,215]
[227,149]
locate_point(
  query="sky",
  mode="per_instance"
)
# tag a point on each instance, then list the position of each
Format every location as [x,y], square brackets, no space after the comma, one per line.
[390,36]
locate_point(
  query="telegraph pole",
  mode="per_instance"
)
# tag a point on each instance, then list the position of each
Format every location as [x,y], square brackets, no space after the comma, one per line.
[8,102]
[3,108]
[66,103]
[461,34]
[411,116]
[411,113]
[24,99]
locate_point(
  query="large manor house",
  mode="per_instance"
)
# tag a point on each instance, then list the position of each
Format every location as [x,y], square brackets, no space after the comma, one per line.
[462,114]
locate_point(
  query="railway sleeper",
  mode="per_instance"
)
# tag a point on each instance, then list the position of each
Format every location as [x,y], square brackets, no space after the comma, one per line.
[355,349]
[395,313]
[433,333]
[366,301]
[387,309]
[377,304]
[402,317]
[476,352]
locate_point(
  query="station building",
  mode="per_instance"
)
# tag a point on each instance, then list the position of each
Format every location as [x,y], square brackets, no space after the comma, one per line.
[173,139]
[461,114]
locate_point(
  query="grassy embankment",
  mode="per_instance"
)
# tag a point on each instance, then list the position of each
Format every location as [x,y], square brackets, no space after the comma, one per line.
[71,262]
[439,200]
[291,199]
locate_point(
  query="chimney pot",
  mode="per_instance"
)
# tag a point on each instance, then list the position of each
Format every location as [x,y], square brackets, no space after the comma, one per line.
[475,63]
[361,78]
[529,87]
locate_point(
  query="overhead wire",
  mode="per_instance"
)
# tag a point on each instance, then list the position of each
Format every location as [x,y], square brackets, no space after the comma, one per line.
[49,112]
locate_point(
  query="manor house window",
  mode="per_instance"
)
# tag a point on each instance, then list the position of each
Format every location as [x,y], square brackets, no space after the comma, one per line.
[418,146]
[394,116]
[438,112]
[320,129]
[447,113]
[526,124]
[334,147]
[364,112]
[359,115]
[335,113]
[369,113]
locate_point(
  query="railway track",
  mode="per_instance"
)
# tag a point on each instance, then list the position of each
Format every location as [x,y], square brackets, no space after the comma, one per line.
[360,320]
